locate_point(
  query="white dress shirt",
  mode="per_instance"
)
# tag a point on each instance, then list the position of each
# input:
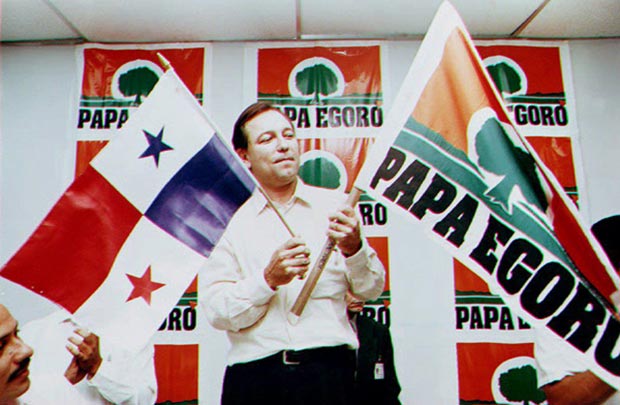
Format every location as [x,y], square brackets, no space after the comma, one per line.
[237,298]
[122,378]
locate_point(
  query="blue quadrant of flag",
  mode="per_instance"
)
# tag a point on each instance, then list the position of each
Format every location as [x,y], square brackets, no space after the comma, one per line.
[201,198]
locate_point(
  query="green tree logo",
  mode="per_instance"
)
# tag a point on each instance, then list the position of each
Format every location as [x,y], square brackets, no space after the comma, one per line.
[134,80]
[515,382]
[521,385]
[505,78]
[137,82]
[507,75]
[323,169]
[316,80]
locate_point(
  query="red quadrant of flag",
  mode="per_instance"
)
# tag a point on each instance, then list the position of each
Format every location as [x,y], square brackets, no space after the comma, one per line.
[91,215]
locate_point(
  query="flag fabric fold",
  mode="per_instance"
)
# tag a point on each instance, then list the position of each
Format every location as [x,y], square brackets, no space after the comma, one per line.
[128,236]
[451,160]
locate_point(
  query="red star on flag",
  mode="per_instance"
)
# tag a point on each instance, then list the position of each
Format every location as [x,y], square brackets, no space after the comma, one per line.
[143,286]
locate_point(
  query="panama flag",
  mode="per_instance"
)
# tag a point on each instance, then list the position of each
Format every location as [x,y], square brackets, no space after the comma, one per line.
[125,240]
[451,160]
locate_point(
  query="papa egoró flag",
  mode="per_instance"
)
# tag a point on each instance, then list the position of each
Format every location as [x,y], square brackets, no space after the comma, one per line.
[128,236]
[451,160]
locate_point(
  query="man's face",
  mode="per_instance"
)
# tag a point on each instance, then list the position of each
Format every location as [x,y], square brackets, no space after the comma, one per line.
[273,152]
[14,359]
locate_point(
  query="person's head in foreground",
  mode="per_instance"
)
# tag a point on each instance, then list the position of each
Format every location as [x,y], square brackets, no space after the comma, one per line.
[14,359]
[607,232]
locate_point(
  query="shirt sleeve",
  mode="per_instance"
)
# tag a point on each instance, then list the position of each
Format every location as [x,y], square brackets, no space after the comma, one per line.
[232,302]
[127,379]
[366,273]
[554,361]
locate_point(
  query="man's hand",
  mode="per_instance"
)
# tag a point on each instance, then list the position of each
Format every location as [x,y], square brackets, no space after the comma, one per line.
[578,389]
[86,358]
[344,228]
[287,262]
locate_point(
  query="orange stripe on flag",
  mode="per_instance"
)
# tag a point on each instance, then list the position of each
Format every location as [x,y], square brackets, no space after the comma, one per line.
[455,92]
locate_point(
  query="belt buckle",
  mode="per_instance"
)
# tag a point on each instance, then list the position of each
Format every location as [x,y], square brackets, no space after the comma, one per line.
[286,360]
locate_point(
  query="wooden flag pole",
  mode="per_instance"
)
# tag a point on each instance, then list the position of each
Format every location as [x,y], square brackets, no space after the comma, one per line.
[319,265]
[276,210]
[164,62]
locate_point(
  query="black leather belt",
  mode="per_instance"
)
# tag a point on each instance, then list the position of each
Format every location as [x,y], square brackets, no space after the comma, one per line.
[331,355]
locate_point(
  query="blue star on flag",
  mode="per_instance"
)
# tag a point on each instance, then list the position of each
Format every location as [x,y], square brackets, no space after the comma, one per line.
[156,145]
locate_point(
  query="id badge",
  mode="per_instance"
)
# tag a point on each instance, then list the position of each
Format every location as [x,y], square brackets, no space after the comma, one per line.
[379,371]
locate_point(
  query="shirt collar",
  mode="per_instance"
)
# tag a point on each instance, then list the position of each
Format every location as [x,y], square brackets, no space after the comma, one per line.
[301,194]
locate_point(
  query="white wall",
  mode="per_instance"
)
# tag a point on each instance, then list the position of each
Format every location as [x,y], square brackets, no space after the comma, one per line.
[36,149]
[597,85]
[37,161]
[37,86]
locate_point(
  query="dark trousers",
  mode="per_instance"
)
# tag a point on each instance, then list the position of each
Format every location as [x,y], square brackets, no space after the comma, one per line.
[322,376]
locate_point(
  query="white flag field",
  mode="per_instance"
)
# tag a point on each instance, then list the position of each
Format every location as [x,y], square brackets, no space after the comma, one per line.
[123,243]
[451,160]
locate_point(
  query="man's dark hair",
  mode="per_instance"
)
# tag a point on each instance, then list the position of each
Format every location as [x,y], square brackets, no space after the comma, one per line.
[607,232]
[239,138]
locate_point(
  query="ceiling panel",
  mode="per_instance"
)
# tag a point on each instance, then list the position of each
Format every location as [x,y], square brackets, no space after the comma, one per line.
[371,18]
[576,19]
[187,20]
[225,20]
[489,18]
[365,17]
[32,20]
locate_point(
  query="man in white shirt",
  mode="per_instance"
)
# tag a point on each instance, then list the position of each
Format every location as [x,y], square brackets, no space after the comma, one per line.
[561,375]
[14,360]
[253,277]
[73,367]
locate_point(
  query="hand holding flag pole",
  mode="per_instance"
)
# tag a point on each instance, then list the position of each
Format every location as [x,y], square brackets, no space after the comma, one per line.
[328,247]
[319,265]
